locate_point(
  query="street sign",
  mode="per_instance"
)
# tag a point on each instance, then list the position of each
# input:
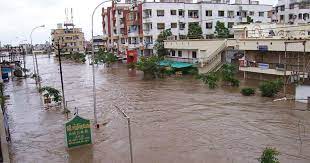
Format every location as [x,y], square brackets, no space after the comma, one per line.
[78,132]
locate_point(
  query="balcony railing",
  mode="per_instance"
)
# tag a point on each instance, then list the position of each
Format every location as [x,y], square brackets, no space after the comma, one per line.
[180,59]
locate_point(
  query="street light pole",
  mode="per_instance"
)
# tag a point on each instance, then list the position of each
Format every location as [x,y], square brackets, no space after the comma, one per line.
[61,77]
[93,66]
[35,61]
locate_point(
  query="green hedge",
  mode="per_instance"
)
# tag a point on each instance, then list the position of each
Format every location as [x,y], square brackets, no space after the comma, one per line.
[247,91]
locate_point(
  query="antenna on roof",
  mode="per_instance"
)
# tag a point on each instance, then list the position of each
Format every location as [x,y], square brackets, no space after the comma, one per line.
[71,15]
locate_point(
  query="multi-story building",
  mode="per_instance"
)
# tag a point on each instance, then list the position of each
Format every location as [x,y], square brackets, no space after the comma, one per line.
[136,27]
[70,37]
[264,51]
[292,11]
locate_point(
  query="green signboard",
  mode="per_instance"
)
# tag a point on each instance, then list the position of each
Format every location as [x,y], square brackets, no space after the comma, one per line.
[78,132]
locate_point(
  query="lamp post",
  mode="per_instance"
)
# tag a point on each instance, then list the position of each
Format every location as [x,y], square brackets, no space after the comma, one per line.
[93,58]
[34,56]
[24,55]
[58,48]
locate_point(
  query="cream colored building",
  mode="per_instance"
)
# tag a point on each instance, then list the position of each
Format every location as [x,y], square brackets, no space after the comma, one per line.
[255,53]
[71,39]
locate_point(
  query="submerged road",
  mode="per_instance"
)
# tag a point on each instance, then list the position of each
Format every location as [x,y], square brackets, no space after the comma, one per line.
[173,120]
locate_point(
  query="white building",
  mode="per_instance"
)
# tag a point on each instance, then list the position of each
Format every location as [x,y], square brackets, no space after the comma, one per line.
[130,27]
[292,11]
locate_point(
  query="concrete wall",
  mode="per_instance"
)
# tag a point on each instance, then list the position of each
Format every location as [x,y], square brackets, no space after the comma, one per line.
[204,48]
[273,44]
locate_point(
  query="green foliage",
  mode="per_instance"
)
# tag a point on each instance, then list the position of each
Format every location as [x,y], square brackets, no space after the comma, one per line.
[247,91]
[104,57]
[159,44]
[149,65]
[249,20]
[194,31]
[269,155]
[221,31]
[270,88]
[77,57]
[228,72]
[51,92]
[131,65]
[210,79]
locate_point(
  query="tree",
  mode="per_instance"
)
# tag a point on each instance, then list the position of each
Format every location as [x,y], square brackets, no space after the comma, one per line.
[220,30]
[211,79]
[104,57]
[51,93]
[270,88]
[149,66]
[249,20]
[269,155]
[228,72]
[194,31]
[159,44]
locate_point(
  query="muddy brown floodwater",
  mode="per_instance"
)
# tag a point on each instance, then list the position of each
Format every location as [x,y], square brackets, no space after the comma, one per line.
[173,120]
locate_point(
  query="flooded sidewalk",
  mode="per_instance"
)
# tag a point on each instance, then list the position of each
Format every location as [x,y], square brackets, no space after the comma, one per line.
[173,120]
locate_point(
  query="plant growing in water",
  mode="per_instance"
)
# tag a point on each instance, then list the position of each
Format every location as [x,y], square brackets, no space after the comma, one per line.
[270,88]
[51,93]
[269,155]
[149,65]
[211,79]
[77,57]
[247,91]
[104,57]
[228,72]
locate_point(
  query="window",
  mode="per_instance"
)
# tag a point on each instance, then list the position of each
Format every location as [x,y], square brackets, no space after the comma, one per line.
[208,12]
[122,30]
[292,6]
[160,25]
[147,13]
[122,41]
[174,25]
[172,53]
[179,53]
[119,12]
[221,13]
[160,12]
[209,25]
[238,13]
[181,12]
[306,16]
[230,14]
[193,14]
[230,24]
[251,13]
[173,12]
[300,16]
[182,25]
[194,54]
[281,17]
[149,40]
[290,16]
[282,8]
[261,14]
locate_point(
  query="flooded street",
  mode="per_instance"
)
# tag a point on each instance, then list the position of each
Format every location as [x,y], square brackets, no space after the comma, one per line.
[173,120]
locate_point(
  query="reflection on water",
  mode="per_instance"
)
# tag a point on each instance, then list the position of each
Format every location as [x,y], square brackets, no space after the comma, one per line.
[173,120]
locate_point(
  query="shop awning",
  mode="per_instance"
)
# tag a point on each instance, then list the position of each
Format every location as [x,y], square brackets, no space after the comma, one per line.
[175,64]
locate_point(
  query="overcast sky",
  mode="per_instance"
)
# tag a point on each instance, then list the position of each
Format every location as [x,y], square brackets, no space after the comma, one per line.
[19,17]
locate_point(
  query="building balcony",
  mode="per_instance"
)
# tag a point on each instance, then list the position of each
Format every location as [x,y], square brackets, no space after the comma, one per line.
[185,60]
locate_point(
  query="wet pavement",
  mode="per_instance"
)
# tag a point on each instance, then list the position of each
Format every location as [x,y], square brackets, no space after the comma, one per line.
[173,120]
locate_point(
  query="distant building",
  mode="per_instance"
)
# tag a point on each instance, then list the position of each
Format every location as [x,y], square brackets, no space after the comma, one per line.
[136,26]
[99,42]
[292,11]
[272,30]
[70,37]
